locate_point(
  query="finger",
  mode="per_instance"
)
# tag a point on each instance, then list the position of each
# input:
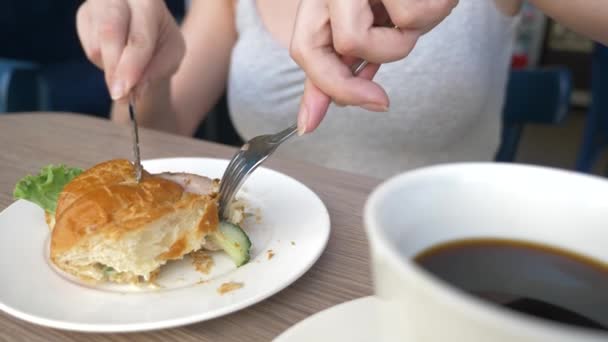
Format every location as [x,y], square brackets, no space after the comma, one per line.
[310,30]
[87,34]
[354,33]
[418,14]
[368,72]
[313,108]
[431,26]
[140,47]
[328,77]
[170,52]
[112,27]
[323,67]
[353,63]
[335,79]
[315,103]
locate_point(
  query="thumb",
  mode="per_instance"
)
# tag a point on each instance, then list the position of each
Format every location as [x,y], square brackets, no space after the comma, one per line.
[313,107]
[315,103]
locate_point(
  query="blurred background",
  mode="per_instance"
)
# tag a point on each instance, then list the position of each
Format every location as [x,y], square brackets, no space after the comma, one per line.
[555,114]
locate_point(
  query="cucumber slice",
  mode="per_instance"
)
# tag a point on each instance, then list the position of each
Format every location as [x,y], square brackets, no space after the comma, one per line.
[233,240]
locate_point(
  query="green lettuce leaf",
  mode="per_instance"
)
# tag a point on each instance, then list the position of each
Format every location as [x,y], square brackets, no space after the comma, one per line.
[44,188]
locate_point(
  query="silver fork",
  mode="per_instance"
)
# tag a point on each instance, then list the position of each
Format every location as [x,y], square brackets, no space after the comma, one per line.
[252,154]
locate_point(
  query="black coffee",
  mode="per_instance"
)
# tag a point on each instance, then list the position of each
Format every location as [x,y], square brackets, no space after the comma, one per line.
[535,279]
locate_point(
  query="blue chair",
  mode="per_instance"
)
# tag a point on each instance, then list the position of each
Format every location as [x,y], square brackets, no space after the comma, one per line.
[595,138]
[20,87]
[73,86]
[534,96]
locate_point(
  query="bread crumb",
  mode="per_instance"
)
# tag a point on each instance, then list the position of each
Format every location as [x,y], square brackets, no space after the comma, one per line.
[270,254]
[236,212]
[229,287]
[293,243]
[202,261]
[152,285]
[154,274]
[202,281]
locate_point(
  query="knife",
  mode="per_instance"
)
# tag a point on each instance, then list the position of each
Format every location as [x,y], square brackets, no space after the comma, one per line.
[135,136]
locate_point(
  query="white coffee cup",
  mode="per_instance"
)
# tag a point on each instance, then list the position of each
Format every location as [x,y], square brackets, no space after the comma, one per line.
[416,210]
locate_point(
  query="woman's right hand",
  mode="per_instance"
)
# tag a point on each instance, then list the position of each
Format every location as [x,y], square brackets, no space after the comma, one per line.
[327,31]
[134,42]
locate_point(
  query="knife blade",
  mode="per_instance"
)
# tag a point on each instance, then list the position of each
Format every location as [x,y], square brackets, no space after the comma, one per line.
[135,139]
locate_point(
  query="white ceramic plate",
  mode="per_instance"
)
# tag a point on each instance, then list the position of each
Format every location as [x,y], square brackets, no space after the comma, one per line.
[352,321]
[288,219]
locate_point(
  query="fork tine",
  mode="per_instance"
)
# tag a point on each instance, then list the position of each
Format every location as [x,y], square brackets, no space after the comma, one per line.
[228,186]
[237,158]
[235,174]
[236,161]
[242,175]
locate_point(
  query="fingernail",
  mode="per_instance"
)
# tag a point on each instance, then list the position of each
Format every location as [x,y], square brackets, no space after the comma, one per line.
[118,90]
[375,107]
[302,121]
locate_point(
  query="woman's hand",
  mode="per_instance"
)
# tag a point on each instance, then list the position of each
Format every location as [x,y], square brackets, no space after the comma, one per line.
[330,35]
[134,41]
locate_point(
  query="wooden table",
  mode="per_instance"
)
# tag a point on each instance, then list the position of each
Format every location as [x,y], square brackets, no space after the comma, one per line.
[29,141]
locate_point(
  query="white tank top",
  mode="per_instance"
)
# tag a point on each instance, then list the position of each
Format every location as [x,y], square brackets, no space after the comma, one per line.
[446,96]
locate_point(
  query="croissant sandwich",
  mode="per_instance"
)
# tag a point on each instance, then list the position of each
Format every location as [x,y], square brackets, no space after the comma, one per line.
[105,226]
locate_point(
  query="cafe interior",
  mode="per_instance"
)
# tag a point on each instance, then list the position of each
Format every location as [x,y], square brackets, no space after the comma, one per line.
[351,256]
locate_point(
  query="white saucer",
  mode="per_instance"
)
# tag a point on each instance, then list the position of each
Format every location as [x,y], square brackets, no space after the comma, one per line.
[353,321]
